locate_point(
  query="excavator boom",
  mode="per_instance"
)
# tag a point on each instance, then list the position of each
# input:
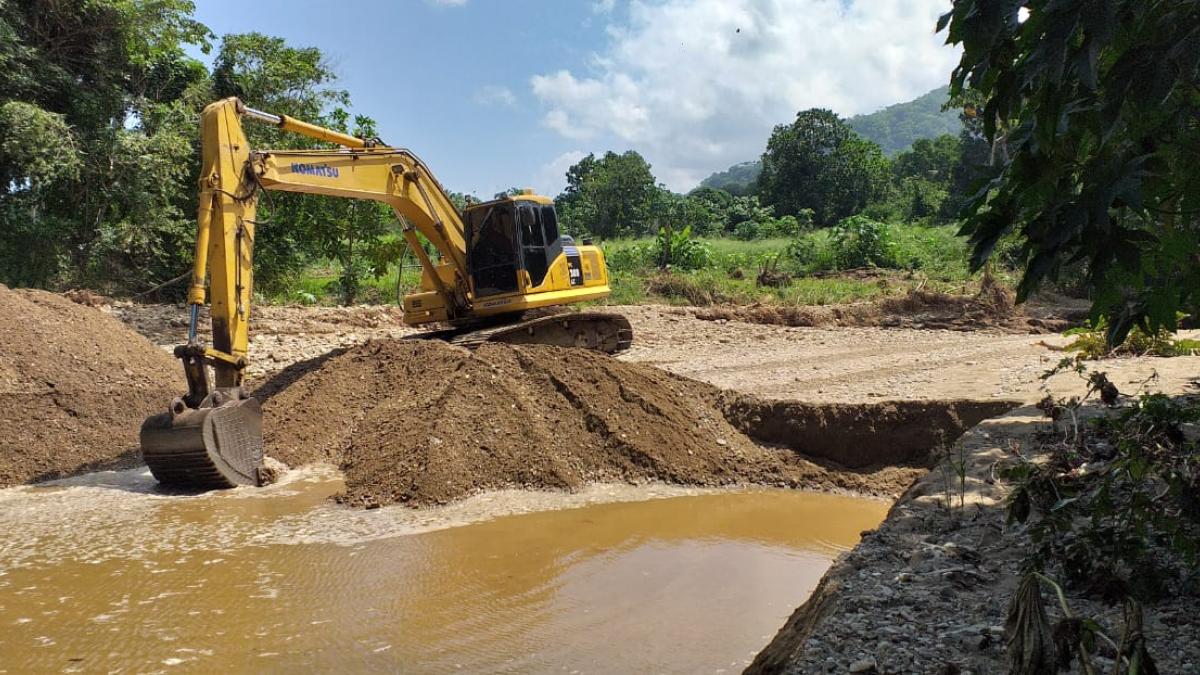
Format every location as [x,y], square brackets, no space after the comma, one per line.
[495,261]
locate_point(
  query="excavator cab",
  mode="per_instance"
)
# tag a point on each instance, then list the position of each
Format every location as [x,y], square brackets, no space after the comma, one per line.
[507,237]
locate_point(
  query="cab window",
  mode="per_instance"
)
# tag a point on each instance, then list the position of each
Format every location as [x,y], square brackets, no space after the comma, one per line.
[533,243]
[492,252]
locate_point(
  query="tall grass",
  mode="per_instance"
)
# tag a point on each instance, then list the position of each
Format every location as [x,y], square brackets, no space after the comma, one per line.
[932,256]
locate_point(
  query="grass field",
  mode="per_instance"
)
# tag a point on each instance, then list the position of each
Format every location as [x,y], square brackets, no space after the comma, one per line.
[932,257]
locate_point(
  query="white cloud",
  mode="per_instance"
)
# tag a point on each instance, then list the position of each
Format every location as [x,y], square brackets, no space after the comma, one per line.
[697,85]
[494,95]
[551,177]
[603,6]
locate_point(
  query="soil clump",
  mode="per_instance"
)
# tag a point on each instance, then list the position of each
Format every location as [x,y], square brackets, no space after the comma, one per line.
[75,384]
[422,422]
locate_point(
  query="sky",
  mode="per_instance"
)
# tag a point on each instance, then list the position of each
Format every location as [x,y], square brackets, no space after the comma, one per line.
[495,94]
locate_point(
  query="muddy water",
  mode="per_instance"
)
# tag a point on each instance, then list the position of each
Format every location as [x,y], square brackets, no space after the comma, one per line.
[103,574]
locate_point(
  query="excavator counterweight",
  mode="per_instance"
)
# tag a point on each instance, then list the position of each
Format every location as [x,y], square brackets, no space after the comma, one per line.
[495,262]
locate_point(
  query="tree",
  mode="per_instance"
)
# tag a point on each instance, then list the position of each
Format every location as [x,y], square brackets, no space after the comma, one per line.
[933,159]
[92,88]
[975,166]
[923,177]
[1092,108]
[99,143]
[819,163]
[268,73]
[709,210]
[612,196]
[462,200]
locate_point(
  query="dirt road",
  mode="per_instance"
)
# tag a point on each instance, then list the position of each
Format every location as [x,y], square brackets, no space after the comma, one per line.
[859,365]
[840,364]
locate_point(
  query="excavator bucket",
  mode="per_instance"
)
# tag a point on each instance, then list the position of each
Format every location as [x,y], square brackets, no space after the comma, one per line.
[205,448]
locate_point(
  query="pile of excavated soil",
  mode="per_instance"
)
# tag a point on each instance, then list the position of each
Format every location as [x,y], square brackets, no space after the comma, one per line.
[75,385]
[992,308]
[422,422]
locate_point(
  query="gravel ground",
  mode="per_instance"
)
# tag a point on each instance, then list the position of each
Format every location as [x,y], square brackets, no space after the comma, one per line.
[818,365]
[927,592]
[279,336]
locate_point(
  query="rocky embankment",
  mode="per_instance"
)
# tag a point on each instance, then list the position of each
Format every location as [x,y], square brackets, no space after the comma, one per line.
[928,591]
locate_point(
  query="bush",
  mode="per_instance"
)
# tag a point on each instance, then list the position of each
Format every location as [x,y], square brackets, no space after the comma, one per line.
[693,291]
[678,249]
[349,283]
[1114,506]
[884,211]
[936,250]
[859,241]
[771,228]
[922,199]
[747,230]
[1091,343]
[628,258]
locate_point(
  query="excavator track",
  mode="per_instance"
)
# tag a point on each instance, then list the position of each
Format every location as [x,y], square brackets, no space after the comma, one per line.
[598,331]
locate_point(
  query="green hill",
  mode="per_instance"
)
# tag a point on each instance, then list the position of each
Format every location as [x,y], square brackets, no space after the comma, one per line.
[736,179]
[896,127]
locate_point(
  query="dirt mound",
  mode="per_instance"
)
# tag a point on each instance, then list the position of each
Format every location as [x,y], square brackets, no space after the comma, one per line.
[422,422]
[992,308]
[75,385]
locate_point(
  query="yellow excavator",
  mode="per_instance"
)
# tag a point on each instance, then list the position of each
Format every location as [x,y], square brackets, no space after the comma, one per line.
[495,261]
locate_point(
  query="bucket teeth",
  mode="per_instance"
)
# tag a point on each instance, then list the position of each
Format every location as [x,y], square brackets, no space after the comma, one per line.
[205,448]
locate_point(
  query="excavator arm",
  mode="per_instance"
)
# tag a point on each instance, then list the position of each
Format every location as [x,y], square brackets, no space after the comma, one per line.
[211,437]
[233,175]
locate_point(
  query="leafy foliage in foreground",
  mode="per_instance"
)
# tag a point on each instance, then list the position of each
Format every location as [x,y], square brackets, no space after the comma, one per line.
[1092,108]
[1116,509]
[1114,512]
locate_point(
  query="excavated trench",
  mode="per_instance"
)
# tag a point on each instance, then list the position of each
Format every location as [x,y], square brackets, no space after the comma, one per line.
[858,436]
[104,572]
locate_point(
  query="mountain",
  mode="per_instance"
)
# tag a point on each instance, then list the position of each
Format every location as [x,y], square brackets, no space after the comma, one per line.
[896,127]
[736,179]
[893,128]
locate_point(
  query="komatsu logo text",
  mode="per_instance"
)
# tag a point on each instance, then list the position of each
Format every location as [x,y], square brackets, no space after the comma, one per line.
[315,170]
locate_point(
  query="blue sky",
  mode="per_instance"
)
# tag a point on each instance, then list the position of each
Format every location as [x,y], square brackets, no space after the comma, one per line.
[500,93]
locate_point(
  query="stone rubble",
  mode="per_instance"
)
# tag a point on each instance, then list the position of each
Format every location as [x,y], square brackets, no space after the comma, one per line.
[928,591]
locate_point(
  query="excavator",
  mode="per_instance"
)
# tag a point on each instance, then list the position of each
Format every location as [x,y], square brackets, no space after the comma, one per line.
[496,262]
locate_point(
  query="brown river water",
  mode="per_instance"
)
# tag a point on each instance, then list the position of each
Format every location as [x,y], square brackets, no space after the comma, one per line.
[104,574]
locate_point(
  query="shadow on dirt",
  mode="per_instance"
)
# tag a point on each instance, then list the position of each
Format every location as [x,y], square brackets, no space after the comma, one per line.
[861,435]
